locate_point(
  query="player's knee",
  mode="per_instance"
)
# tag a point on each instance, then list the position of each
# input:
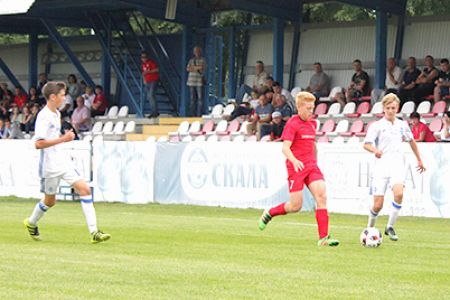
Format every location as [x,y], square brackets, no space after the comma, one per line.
[84,191]
[321,200]
[296,207]
[377,207]
[398,196]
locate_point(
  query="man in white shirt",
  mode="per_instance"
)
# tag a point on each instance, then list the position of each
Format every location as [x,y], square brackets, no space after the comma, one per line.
[88,97]
[392,82]
[384,139]
[55,164]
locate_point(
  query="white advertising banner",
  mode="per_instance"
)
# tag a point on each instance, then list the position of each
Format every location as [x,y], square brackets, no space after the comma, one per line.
[123,171]
[19,164]
[347,169]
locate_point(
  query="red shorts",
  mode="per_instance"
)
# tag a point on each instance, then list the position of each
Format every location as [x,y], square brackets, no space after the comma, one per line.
[296,180]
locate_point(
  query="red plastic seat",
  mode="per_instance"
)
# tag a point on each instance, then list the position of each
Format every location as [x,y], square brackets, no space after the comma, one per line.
[363,133]
[363,108]
[328,126]
[233,126]
[429,97]
[207,127]
[436,125]
[321,109]
[357,127]
[438,108]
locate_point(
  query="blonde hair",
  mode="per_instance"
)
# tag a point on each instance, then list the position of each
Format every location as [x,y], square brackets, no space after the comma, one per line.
[303,97]
[390,98]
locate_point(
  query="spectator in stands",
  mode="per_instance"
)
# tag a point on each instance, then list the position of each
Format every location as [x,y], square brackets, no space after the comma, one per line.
[358,87]
[16,116]
[319,84]
[277,89]
[73,87]
[280,104]
[88,96]
[100,103]
[196,81]
[41,82]
[426,79]
[6,95]
[34,113]
[259,81]
[81,117]
[34,97]
[3,129]
[391,83]
[420,130]
[150,75]
[262,115]
[25,123]
[409,77]
[445,132]
[275,128]
[66,107]
[20,99]
[443,81]
[269,82]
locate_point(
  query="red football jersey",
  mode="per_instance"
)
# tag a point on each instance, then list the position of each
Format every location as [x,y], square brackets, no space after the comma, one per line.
[302,134]
[149,65]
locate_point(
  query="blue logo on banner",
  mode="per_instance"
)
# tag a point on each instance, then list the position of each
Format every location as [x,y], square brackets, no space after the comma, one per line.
[198,172]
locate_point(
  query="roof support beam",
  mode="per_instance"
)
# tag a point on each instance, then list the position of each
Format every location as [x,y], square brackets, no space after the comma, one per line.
[380,49]
[72,57]
[32,59]
[10,75]
[286,12]
[278,50]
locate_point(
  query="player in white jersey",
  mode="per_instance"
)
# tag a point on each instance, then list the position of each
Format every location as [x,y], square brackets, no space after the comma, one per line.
[384,139]
[55,164]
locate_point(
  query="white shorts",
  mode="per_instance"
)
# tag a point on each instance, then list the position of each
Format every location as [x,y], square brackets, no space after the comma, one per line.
[49,186]
[385,175]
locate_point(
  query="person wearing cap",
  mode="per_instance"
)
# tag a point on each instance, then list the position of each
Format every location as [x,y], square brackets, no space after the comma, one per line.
[275,128]
[420,130]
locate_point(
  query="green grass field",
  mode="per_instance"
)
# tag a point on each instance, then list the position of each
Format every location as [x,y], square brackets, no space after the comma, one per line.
[187,252]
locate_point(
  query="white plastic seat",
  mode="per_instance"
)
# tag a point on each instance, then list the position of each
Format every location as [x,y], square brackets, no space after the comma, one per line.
[407,109]
[87,138]
[182,129]
[334,109]
[108,128]
[424,107]
[97,139]
[130,127]
[342,126]
[221,127]
[228,110]
[123,112]
[196,126]
[333,92]
[151,139]
[377,108]
[97,128]
[353,140]
[112,112]
[295,91]
[118,129]
[349,108]
[217,111]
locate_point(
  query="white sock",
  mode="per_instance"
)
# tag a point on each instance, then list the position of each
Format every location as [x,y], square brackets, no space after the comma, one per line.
[87,204]
[38,212]
[372,218]
[394,213]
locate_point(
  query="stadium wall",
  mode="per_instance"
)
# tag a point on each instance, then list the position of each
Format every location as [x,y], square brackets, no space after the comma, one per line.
[227,174]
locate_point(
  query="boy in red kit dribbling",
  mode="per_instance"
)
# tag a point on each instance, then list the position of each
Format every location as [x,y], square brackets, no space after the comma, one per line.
[299,147]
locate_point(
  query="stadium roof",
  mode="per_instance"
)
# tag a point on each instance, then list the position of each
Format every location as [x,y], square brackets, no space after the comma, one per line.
[189,12]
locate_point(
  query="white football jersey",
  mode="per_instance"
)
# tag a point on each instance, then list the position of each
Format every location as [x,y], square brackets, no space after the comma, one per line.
[388,137]
[54,161]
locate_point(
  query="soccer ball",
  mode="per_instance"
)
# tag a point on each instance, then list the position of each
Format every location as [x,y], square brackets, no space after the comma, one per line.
[371,237]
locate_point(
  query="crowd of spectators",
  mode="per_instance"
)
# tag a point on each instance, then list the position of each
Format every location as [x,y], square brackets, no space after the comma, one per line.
[18,110]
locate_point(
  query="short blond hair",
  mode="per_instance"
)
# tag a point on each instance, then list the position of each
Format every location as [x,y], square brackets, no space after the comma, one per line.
[390,98]
[303,97]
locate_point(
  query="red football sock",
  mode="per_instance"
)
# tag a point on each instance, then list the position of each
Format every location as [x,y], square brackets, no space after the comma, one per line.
[322,222]
[277,210]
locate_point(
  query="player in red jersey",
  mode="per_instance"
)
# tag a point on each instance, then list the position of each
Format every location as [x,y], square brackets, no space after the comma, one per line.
[299,147]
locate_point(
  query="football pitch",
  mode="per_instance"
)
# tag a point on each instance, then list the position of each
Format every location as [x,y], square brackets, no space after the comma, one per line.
[189,252]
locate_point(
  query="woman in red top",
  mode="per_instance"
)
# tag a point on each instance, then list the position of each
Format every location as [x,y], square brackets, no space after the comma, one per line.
[299,148]
[420,130]
[20,98]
